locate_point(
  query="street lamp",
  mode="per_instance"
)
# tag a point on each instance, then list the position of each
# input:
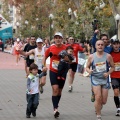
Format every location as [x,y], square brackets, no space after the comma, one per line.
[102,4]
[70,12]
[26,22]
[17,24]
[117,18]
[51,18]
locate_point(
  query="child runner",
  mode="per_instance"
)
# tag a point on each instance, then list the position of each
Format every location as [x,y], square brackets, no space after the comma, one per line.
[32,93]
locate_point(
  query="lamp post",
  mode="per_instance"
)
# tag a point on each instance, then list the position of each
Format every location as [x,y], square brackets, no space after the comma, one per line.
[51,18]
[70,13]
[17,24]
[117,18]
[26,23]
[102,4]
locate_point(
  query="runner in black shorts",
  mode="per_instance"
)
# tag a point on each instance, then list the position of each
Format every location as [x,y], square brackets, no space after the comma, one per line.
[115,76]
[73,66]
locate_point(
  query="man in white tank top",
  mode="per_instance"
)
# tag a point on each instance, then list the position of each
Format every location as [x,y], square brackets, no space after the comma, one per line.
[99,75]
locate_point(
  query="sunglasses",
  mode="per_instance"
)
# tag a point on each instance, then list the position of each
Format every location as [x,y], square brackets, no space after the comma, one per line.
[71,39]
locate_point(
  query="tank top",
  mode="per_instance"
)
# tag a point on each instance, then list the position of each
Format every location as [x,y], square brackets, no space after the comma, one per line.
[99,67]
[38,58]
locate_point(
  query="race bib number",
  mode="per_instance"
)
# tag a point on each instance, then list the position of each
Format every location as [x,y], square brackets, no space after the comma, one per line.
[55,64]
[117,66]
[81,61]
[40,57]
[31,57]
[100,67]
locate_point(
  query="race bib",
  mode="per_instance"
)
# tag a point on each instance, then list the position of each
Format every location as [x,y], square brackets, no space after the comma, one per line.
[81,61]
[40,57]
[117,66]
[100,67]
[31,57]
[55,64]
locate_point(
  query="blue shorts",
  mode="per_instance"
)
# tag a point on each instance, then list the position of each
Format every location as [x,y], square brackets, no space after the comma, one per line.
[55,81]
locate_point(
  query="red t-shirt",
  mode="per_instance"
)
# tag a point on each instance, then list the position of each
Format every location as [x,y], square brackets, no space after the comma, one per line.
[54,60]
[116,60]
[76,49]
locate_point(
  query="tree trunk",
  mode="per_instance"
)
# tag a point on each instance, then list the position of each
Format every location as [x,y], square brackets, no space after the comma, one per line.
[115,12]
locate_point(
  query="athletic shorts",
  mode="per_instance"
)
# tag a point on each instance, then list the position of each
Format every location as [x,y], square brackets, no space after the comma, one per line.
[115,83]
[73,66]
[55,81]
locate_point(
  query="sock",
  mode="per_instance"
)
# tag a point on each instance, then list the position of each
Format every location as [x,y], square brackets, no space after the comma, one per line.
[59,97]
[116,100]
[55,101]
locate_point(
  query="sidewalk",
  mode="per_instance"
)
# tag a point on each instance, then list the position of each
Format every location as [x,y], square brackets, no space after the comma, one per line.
[73,106]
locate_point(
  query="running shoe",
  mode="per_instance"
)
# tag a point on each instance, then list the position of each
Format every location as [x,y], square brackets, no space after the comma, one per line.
[56,114]
[70,89]
[27,116]
[99,117]
[118,113]
[41,89]
[93,97]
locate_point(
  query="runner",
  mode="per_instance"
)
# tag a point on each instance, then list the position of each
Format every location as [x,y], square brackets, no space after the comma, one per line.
[32,93]
[73,67]
[57,85]
[99,62]
[17,44]
[115,76]
[107,49]
[31,45]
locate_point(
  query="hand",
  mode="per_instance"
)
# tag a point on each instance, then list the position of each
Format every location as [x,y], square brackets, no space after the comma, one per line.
[44,69]
[105,75]
[90,72]
[31,91]
[96,31]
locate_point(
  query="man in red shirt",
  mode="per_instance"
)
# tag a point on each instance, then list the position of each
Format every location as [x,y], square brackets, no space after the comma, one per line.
[73,67]
[57,85]
[115,76]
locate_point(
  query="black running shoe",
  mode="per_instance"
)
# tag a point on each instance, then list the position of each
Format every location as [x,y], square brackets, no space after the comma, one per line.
[27,116]
[118,113]
[34,114]
[56,114]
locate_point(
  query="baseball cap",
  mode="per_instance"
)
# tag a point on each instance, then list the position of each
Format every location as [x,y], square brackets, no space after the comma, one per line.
[58,34]
[18,39]
[39,40]
[115,41]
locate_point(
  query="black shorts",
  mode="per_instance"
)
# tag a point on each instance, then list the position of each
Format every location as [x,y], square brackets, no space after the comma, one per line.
[55,81]
[73,66]
[115,83]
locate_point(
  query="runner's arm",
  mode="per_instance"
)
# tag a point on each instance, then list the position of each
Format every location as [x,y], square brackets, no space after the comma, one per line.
[112,67]
[89,64]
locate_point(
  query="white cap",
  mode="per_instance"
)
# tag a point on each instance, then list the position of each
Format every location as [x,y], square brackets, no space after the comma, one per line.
[39,40]
[59,34]
[17,39]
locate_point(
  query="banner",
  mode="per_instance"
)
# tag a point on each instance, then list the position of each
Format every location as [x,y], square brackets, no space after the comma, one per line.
[6,31]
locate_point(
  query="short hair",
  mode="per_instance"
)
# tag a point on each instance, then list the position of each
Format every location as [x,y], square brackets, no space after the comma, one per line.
[103,35]
[33,66]
[69,47]
[32,36]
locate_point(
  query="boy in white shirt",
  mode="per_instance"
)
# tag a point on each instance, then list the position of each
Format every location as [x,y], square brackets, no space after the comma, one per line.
[32,93]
